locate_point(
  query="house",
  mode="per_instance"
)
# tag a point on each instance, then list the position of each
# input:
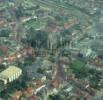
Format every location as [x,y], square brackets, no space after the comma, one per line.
[86,52]
[34,98]
[16,95]
[4,49]
[55,83]
[3,23]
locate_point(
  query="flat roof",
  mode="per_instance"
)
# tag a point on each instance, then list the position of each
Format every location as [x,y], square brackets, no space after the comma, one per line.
[10,71]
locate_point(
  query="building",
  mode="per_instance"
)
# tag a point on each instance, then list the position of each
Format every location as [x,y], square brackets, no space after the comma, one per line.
[9,75]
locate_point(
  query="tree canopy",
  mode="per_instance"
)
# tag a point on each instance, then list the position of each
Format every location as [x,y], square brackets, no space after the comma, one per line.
[37,38]
[79,68]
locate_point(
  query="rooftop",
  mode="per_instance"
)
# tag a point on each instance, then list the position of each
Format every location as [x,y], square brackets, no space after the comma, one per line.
[10,71]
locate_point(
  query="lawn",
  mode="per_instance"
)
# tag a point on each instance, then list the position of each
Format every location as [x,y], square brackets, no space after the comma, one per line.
[34,24]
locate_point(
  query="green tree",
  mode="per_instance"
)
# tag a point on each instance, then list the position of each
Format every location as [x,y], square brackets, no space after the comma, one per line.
[37,38]
[79,68]
[55,97]
[4,33]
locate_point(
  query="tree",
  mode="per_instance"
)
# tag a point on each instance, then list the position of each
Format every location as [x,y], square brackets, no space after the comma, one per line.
[65,37]
[79,68]
[55,97]
[40,70]
[19,12]
[37,38]
[4,33]
[37,7]
[94,81]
